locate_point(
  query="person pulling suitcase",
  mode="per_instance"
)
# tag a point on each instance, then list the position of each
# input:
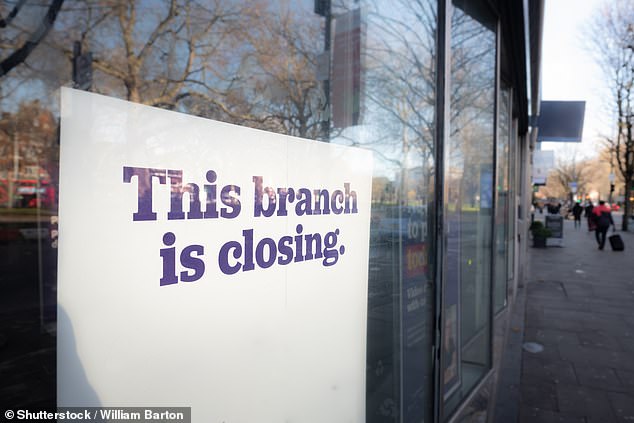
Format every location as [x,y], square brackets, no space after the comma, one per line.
[603,219]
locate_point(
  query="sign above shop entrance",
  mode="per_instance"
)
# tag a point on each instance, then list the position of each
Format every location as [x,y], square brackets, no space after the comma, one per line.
[561,121]
[209,265]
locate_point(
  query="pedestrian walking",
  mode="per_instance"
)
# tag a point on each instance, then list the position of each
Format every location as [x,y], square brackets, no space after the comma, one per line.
[603,217]
[590,216]
[576,212]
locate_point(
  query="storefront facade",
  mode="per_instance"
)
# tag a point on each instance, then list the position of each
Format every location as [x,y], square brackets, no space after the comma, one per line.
[440,92]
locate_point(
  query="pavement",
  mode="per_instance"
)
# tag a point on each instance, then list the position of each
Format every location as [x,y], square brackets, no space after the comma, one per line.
[578,307]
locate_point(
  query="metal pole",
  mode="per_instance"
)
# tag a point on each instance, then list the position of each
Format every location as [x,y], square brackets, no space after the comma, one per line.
[40,276]
[76,54]
[611,177]
[327,44]
[14,178]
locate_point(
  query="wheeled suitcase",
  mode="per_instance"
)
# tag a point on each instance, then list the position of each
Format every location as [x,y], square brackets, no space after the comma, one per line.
[616,242]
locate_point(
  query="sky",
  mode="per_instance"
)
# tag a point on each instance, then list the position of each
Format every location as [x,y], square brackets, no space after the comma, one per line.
[569,72]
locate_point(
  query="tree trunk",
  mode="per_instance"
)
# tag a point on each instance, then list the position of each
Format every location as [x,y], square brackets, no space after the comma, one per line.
[627,205]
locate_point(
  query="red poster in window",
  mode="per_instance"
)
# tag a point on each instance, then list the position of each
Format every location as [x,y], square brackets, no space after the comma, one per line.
[415,260]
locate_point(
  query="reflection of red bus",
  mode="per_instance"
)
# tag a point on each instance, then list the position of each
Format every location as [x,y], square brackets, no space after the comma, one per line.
[415,260]
[25,193]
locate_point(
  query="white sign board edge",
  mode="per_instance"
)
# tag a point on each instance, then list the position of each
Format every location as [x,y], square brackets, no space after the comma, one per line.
[283,343]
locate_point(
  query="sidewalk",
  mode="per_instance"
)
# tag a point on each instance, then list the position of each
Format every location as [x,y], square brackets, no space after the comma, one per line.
[580,308]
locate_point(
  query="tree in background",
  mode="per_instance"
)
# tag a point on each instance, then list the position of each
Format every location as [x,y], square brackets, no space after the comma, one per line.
[611,189]
[568,170]
[612,35]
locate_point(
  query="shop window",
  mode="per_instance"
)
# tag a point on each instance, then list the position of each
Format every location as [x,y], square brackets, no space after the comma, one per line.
[398,123]
[469,202]
[262,65]
[513,199]
[503,202]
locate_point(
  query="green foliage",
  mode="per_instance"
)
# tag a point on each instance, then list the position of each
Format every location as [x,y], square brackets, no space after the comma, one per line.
[536,224]
[538,230]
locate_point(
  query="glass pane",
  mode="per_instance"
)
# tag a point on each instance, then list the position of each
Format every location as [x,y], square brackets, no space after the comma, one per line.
[398,124]
[469,200]
[259,64]
[503,202]
[512,198]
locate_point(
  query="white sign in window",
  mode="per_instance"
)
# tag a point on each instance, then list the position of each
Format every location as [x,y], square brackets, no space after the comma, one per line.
[209,265]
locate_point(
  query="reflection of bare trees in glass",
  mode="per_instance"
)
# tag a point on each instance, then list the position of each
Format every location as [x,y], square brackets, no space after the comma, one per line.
[279,70]
[471,104]
[400,66]
[251,63]
[469,177]
[19,37]
[398,117]
[156,53]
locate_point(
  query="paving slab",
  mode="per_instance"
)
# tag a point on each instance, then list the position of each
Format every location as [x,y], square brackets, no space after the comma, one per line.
[627,343]
[575,400]
[599,339]
[588,356]
[627,379]
[604,378]
[536,415]
[539,395]
[537,370]
[623,407]
[552,336]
